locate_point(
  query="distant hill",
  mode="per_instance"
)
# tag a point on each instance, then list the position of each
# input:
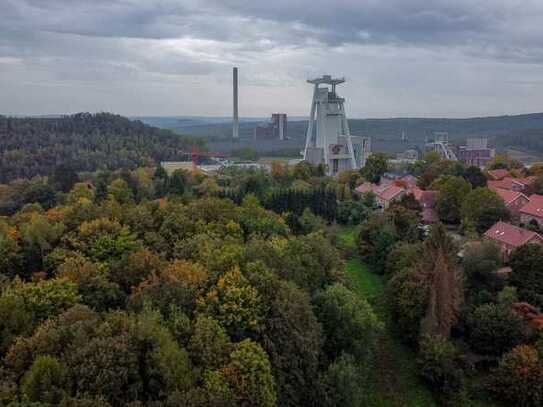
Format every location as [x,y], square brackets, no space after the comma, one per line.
[181,122]
[86,142]
[503,131]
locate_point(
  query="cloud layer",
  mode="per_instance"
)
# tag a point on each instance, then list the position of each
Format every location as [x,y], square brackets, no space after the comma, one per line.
[163,57]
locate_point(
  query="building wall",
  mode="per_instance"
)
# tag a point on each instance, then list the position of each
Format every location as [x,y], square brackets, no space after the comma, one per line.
[526,219]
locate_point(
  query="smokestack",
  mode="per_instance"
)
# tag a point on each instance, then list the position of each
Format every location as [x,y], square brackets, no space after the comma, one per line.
[235,128]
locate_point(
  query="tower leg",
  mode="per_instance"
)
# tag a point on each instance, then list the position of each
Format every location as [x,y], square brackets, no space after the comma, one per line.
[347,130]
[309,135]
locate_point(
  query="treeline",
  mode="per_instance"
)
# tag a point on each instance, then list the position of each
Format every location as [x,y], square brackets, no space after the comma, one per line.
[85,142]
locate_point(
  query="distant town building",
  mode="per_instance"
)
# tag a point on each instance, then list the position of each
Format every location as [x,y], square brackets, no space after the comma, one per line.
[476,152]
[275,129]
[328,138]
[509,237]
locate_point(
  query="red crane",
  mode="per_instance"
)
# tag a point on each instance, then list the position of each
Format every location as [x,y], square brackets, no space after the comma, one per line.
[195,154]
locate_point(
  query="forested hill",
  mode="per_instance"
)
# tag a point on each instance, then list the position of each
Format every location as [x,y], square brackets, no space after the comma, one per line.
[84,141]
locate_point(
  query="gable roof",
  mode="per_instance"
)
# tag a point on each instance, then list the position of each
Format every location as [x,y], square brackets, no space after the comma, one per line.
[365,187]
[510,234]
[390,192]
[509,182]
[498,174]
[385,192]
[534,207]
[508,196]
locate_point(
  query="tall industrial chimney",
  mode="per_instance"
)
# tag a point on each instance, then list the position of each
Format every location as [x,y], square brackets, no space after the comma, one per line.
[235,126]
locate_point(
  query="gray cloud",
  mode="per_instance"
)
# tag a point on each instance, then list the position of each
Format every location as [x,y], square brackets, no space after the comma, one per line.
[402,57]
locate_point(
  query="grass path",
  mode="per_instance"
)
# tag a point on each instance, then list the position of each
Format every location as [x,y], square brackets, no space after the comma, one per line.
[397,383]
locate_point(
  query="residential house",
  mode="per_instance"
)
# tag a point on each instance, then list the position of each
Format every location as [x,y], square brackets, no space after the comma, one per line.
[509,237]
[498,174]
[427,200]
[513,200]
[384,194]
[533,211]
[524,185]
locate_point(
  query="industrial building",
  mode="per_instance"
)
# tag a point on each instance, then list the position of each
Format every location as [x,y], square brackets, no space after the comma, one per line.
[476,152]
[328,138]
[440,144]
[275,129]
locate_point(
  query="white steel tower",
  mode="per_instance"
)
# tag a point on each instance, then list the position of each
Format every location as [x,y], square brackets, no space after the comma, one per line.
[328,138]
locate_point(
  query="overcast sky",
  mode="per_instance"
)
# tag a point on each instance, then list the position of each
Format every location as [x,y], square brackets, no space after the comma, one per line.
[452,58]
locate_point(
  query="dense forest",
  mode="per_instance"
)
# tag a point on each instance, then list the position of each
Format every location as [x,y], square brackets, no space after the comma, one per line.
[142,288]
[84,142]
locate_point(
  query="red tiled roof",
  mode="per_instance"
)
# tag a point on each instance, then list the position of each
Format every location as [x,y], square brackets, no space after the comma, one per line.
[385,192]
[498,174]
[426,198]
[508,182]
[507,195]
[365,187]
[510,234]
[390,192]
[534,207]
